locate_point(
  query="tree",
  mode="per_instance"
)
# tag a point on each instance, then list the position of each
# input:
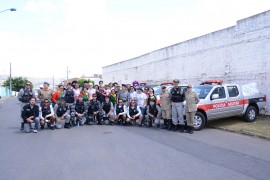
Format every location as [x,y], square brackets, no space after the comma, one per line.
[17,83]
[80,81]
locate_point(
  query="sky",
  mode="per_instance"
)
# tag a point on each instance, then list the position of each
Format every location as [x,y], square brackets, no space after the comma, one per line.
[44,37]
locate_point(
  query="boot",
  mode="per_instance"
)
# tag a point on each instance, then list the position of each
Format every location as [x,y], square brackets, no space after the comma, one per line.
[22,126]
[174,127]
[181,129]
[191,130]
[169,125]
[165,125]
[149,124]
[67,125]
[112,123]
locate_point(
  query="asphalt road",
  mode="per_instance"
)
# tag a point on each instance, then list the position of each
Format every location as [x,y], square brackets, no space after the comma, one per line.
[116,153]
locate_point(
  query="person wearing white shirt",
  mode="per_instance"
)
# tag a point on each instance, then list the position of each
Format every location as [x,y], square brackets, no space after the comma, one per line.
[132,94]
[141,101]
[134,113]
[46,114]
[91,90]
[120,112]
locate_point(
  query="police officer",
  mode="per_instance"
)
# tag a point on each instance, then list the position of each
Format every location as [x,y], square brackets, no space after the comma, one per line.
[107,108]
[46,114]
[166,108]
[24,96]
[177,97]
[62,113]
[94,111]
[30,114]
[80,111]
[134,113]
[192,100]
[69,94]
[153,113]
[120,112]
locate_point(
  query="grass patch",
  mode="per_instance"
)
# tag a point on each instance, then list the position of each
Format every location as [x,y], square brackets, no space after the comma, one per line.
[259,128]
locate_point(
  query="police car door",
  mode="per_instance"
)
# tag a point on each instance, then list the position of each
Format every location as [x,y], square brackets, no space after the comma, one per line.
[219,105]
[235,106]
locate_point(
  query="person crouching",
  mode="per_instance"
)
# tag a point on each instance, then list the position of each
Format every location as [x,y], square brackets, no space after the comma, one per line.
[30,114]
[153,113]
[62,113]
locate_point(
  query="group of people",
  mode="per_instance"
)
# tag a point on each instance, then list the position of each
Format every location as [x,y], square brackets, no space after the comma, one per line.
[109,104]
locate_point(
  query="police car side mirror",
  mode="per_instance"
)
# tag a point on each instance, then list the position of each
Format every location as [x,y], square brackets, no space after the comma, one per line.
[215,96]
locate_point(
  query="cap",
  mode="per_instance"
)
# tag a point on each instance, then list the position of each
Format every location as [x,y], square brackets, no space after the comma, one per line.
[163,87]
[189,86]
[46,83]
[124,85]
[176,81]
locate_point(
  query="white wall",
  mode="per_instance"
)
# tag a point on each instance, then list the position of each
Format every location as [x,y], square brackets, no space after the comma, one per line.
[238,54]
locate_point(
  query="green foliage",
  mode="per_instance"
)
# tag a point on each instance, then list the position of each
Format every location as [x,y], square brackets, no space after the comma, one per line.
[17,83]
[80,81]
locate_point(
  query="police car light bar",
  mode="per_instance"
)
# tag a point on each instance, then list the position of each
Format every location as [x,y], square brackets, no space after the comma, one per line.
[219,82]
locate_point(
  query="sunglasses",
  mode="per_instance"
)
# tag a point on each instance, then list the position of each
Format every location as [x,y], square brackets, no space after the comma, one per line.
[132,102]
[28,84]
[46,102]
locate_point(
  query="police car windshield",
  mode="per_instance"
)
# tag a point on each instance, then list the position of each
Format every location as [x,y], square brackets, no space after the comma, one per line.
[202,90]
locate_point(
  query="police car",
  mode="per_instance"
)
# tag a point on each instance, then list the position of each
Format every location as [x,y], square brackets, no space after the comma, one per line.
[218,100]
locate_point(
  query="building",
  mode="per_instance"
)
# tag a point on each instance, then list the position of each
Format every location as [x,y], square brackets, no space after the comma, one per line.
[238,54]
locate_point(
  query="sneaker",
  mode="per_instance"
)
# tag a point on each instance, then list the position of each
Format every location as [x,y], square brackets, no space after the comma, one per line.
[35,131]
[42,127]
[52,127]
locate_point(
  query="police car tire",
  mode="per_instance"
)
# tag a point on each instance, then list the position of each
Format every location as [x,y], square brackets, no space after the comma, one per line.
[202,117]
[251,114]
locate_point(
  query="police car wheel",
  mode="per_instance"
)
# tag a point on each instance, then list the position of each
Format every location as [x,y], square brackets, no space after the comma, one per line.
[199,121]
[251,114]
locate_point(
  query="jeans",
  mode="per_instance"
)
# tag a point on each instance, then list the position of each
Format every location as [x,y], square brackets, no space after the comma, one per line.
[27,126]
[143,110]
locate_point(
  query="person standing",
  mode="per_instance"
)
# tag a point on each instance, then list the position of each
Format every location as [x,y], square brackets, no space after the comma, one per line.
[76,91]
[177,98]
[192,100]
[57,95]
[91,90]
[124,95]
[24,96]
[166,108]
[141,101]
[85,94]
[30,114]
[132,94]
[69,94]
[45,93]
[113,97]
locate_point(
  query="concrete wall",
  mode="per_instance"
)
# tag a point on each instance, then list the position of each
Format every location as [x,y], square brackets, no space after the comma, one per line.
[238,54]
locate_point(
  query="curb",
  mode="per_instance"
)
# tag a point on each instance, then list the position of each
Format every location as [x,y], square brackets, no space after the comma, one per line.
[248,133]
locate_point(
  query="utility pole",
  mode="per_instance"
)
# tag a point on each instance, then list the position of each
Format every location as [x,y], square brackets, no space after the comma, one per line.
[10,82]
